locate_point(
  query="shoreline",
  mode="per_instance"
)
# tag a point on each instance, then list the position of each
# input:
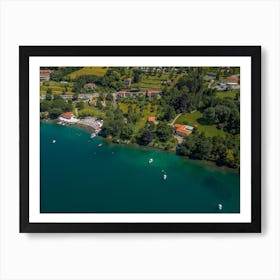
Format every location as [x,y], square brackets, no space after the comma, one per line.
[89,129]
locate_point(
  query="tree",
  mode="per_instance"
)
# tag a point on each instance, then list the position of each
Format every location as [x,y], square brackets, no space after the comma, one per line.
[56,96]
[210,115]
[233,123]
[229,158]
[99,104]
[126,132]
[222,113]
[44,105]
[49,91]
[137,76]
[169,113]
[55,112]
[146,137]
[80,105]
[164,131]
[48,96]
[109,97]
[75,96]
[181,103]
[193,81]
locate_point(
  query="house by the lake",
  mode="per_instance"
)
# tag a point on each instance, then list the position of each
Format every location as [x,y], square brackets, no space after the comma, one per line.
[68,117]
[183,130]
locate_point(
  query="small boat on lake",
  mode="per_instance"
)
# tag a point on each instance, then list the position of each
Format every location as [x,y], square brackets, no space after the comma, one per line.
[92,135]
[53,141]
[151,160]
[220,206]
[100,145]
[164,177]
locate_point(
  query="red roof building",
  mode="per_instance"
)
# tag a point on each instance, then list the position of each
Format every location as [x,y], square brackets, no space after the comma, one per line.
[45,71]
[90,85]
[152,119]
[181,130]
[232,79]
[67,115]
[93,103]
[45,74]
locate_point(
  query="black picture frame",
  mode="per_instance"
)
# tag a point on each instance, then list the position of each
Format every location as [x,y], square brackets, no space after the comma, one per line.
[25,52]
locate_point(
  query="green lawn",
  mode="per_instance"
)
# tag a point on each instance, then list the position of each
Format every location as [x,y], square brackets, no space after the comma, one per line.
[195,119]
[97,71]
[56,87]
[124,107]
[146,114]
[151,82]
[91,111]
[141,123]
[223,94]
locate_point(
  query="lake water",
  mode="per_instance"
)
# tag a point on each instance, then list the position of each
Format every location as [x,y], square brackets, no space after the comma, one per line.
[78,176]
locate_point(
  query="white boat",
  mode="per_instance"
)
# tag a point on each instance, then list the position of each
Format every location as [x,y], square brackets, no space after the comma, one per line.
[151,160]
[53,141]
[164,177]
[220,206]
[92,135]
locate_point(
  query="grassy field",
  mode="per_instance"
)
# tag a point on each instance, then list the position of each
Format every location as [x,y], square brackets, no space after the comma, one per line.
[97,71]
[196,118]
[146,114]
[91,111]
[141,123]
[223,94]
[151,82]
[56,87]
[124,107]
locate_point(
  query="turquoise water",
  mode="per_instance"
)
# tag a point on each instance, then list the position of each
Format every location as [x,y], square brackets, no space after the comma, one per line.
[78,176]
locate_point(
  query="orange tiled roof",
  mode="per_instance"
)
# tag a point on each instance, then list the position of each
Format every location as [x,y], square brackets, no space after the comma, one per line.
[232,78]
[151,119]
[177,125]
[93,102]
[46,71]
[67,115]
[184,131]
[90,85]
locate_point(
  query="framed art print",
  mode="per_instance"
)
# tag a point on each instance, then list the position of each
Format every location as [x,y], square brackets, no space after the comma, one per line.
[140,138]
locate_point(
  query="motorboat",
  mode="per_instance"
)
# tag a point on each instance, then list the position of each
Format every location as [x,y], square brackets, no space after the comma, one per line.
[220,206]
[164,177]
[151,160]
[53,141]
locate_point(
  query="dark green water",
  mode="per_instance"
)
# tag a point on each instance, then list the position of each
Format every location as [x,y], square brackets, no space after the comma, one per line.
[78,176]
